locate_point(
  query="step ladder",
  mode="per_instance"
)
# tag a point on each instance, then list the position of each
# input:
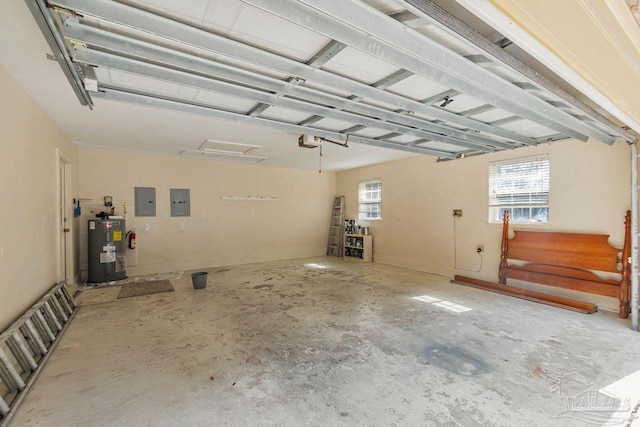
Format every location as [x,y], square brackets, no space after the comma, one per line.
[26,345]
[336,229]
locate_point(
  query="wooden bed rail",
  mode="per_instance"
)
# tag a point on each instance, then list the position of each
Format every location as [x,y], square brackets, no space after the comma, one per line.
[568,260]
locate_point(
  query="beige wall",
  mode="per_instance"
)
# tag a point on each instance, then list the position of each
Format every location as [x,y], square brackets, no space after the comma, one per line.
[590,192]
[599,40]
[233,232]
[29,232]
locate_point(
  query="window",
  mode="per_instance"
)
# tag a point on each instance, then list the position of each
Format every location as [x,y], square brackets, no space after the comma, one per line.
[370,198]
[520,186]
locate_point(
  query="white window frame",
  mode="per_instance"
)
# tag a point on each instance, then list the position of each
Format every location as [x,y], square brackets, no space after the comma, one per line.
[520,185]
[370,206]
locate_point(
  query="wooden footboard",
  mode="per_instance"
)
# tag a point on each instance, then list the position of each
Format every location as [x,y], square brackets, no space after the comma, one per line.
[568,260]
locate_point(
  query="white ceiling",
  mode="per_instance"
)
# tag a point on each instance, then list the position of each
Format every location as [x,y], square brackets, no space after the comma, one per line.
[129,127]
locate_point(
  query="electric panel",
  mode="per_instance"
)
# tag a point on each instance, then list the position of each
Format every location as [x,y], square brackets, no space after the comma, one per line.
[145,201]
[180,202]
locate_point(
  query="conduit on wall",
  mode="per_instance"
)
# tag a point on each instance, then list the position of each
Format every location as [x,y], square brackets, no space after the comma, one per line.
[634,234]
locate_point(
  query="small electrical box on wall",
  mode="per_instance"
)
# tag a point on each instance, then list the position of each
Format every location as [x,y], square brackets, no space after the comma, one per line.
[457,212]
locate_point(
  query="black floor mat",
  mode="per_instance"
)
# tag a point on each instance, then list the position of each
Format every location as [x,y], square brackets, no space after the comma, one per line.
[145,288]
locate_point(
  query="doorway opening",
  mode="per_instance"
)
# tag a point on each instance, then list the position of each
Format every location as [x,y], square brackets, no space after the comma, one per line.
[64,220]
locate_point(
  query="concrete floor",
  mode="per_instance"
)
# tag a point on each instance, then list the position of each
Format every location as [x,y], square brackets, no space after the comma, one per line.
[329,342]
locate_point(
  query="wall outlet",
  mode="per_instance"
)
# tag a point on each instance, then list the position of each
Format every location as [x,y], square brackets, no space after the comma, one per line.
[165,217]
[457,212]
[203,215]
[480,248]
[182,226]
[147,227]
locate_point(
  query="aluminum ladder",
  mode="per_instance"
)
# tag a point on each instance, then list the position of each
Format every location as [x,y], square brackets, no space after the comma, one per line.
[26,345]
[336,229]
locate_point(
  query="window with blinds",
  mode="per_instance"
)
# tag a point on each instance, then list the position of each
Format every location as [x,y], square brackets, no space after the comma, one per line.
[520,186]
[370,199]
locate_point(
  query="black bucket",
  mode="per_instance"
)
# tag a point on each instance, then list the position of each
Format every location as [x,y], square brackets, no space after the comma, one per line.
[199,279]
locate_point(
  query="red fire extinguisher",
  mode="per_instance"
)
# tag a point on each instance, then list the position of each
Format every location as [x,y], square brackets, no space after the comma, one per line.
[132,238]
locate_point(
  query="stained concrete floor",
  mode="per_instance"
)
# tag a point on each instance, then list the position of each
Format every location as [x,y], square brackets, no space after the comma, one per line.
[329,342]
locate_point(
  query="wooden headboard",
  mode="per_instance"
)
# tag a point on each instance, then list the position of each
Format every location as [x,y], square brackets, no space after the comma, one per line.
[565,260]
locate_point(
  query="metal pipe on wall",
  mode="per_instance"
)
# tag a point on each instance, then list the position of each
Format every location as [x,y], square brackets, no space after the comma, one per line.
[634,236]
